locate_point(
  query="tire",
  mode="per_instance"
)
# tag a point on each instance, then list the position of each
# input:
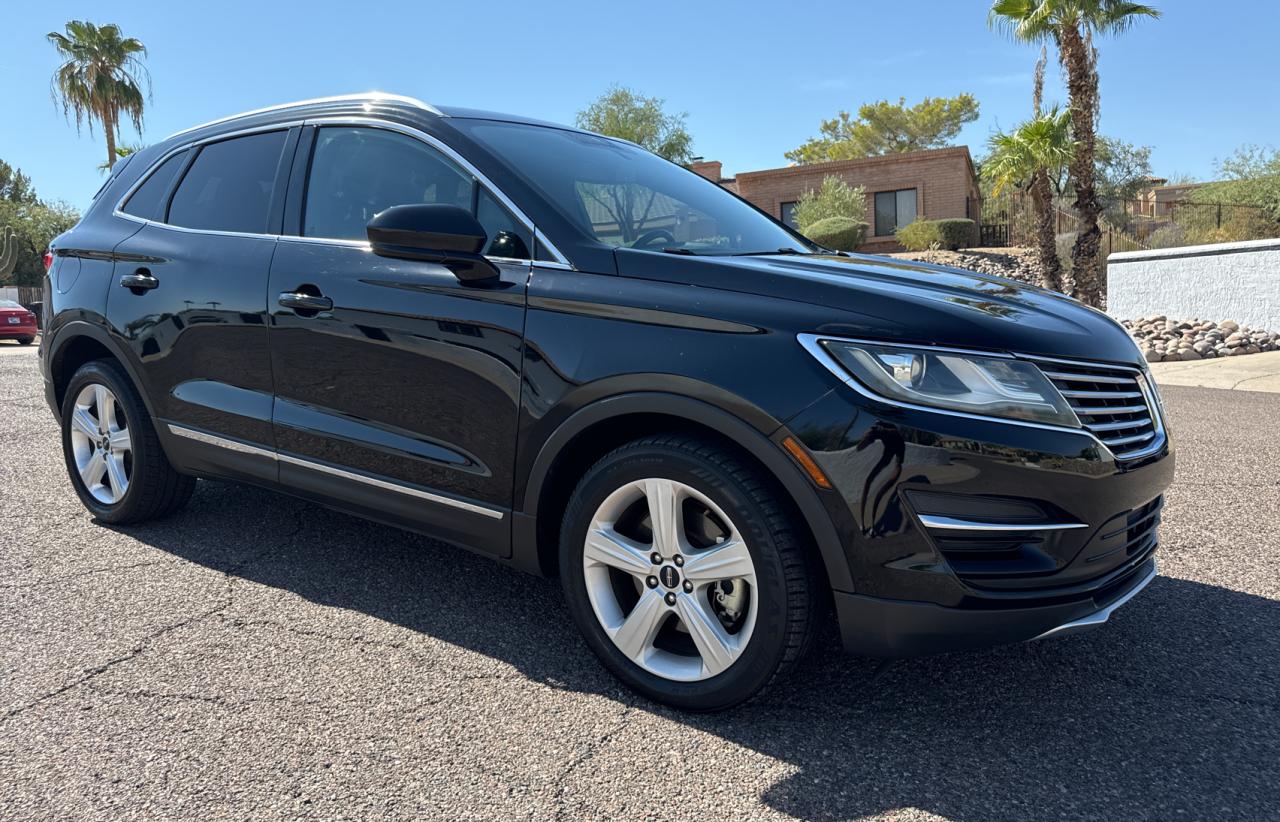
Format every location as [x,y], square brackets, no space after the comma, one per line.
[26,340]
[766,625]
[151,487]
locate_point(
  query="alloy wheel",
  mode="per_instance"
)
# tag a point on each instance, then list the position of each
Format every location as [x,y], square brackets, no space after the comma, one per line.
[101,444]
[670,579]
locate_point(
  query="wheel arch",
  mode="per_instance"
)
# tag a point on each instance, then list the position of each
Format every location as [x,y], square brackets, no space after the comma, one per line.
[596,429]
[79,342]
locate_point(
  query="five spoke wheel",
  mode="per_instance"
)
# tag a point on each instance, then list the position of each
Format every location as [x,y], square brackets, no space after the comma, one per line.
[670,579]
[101,444]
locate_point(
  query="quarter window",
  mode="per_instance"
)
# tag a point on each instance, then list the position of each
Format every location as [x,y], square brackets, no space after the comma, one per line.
[894,209]
[146,201]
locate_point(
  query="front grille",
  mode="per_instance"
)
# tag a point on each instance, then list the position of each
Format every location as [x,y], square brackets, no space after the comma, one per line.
[1110,403]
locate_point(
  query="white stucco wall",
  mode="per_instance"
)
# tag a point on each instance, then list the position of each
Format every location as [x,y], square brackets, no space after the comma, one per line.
[1231,281]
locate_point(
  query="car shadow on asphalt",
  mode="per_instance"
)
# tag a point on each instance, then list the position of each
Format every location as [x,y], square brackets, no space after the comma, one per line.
[1171,709]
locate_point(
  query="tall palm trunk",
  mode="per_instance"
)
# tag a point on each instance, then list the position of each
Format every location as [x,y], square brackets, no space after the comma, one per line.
[1042,197]
[1082,90]
[1046,241]
[109,126]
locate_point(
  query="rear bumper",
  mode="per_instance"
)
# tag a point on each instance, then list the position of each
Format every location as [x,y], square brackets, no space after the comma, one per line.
[12,332]
[897,628]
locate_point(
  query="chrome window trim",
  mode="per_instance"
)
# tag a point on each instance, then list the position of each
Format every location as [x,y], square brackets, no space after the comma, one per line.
[276,456]
[957,524]
[367,96]
[118,210]
[560,261]
[810,342]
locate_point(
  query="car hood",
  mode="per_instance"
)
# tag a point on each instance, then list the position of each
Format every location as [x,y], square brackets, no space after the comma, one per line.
[882,298]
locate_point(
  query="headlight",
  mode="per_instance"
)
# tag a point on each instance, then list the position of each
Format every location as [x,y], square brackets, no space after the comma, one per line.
[972,383]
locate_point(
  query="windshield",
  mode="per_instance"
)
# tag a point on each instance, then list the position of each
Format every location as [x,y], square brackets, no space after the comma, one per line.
[623,196]
[9,304]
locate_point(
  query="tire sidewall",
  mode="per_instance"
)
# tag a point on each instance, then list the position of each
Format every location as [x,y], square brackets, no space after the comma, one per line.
[766,648]
[135,416]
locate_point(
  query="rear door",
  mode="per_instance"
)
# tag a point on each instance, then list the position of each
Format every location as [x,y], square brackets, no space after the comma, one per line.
[190,298]
[397,393]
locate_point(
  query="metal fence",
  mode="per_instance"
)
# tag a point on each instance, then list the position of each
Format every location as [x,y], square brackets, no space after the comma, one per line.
[1179,223]
[1134,225]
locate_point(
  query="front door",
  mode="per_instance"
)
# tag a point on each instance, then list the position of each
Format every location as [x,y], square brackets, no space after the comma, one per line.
[397,386]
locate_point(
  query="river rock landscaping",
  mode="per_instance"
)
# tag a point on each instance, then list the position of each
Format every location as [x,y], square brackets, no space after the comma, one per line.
[1164,340]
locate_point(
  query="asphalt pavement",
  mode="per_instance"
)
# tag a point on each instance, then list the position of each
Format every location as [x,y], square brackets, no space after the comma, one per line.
[257,657]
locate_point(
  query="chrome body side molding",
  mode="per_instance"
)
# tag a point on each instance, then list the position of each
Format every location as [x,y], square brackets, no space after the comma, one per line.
[385,484]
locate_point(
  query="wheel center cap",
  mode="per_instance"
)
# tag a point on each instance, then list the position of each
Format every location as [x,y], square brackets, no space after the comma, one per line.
[670,576]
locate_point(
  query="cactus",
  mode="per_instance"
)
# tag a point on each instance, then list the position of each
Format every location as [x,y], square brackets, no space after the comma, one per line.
[8,252]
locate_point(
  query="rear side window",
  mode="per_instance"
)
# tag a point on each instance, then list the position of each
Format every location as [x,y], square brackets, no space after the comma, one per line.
[228,187]
[148,199]
[357,172]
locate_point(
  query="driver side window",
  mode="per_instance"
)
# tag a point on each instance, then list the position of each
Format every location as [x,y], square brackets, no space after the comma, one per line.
[357,172]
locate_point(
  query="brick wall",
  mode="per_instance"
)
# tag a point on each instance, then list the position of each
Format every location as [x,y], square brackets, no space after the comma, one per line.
[710,169]
[943,179]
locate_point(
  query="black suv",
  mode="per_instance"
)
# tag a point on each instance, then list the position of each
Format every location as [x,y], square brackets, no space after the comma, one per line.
[563,352]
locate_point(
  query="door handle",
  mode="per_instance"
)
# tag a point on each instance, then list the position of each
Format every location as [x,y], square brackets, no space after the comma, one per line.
[305,302]
[139,281]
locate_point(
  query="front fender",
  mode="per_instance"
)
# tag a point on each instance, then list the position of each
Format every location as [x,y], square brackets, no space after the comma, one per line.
[755,432]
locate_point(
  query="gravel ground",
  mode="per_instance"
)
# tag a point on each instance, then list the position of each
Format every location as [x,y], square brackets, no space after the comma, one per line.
[255,656]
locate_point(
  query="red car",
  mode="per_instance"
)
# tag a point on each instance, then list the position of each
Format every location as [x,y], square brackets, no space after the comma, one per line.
[17,323]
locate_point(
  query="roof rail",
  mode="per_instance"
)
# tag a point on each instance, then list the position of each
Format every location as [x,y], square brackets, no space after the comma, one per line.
[371,96]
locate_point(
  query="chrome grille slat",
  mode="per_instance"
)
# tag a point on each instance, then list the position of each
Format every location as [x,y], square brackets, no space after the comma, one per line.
[1103,395]
[1116,426]
[1099,378]
[1121,409]
[1128,440]
[1110,402]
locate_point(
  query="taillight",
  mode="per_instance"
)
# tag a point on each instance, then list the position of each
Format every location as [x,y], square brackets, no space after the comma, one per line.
[48,261]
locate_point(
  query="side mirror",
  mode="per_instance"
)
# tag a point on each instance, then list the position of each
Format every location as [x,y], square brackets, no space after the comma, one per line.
[442,234]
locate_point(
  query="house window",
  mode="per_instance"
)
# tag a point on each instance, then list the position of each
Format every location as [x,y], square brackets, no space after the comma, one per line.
[894,209]
[789,214]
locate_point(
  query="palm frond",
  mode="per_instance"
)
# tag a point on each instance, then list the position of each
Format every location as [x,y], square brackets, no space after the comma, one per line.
[102,75]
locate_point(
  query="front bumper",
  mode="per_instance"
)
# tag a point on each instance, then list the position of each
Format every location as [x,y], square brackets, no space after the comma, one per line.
[894,628]
[966,533]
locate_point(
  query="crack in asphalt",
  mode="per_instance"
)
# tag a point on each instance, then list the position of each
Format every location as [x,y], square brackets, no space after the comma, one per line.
[561,780]
[231,576]
[90,572]
[131,654]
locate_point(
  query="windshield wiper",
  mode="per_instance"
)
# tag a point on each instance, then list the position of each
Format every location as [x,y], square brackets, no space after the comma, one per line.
[688,252]
[784,251]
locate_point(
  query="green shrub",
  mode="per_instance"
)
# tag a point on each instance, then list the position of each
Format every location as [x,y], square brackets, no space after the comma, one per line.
[840,233]
[836,198]
[951,234]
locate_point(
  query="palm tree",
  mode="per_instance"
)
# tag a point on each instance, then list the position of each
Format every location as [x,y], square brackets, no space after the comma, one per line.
[1025,158]
[1071,25]
[101,78]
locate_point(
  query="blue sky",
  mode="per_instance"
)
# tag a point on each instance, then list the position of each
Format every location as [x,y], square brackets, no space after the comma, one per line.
[756,79]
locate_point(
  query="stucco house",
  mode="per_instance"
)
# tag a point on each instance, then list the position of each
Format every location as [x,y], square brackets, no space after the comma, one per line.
[932,185]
